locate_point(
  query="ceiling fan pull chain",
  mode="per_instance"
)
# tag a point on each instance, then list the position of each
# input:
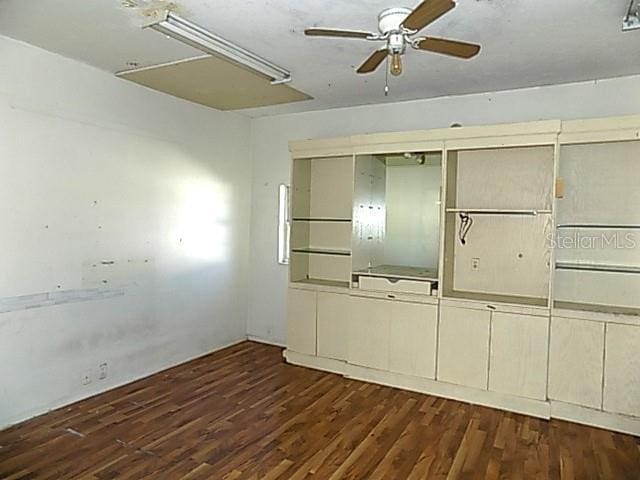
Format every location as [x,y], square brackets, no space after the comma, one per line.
[386,79]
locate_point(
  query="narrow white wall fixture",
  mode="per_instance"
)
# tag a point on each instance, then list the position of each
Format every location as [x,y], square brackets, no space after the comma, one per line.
[194,35]
[284,224]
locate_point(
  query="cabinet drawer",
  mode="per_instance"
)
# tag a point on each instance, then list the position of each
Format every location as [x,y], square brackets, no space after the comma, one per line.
[392,285]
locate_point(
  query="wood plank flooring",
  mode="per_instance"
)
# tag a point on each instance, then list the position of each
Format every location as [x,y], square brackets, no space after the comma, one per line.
[242,413]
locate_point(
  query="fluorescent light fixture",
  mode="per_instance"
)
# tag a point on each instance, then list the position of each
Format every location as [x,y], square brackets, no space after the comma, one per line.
[188,32]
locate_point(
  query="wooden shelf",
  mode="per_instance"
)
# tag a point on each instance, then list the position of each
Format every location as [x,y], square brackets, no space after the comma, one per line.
[322,251]
[595,267]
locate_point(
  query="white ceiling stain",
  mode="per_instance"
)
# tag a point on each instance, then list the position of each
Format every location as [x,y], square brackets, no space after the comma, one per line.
[524,42]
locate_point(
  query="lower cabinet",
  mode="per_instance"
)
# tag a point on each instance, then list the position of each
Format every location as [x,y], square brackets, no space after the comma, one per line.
[368,337]
[301,321]
[622,369]
[393,335]
[333,318]
[463,351]
[576,361]
[518,355]
[413,339]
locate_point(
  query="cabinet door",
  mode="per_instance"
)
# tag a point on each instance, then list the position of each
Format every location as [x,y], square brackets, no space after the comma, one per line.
[301,321]
[368,343]
[518,358]
[333,318]
[576,361]
[412,339]
[622,370]
[463,352]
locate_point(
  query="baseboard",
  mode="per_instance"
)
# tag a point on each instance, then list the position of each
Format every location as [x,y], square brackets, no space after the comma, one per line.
[253,338]
[595,418]
[79,398]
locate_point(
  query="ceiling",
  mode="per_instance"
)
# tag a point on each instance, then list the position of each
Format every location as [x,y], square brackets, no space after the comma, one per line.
[524,42]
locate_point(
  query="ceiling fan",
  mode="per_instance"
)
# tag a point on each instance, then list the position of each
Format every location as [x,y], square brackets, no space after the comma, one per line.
[397,27]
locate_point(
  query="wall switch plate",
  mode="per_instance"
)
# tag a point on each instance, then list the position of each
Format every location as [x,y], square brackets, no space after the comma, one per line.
[475,264]
[103,371]
[86,377]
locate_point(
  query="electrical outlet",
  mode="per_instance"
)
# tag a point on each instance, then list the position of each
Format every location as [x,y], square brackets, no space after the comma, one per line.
[103,371]
[86,377]
[475,264]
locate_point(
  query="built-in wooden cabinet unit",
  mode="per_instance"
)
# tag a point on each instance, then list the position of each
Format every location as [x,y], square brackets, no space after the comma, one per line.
[453,262]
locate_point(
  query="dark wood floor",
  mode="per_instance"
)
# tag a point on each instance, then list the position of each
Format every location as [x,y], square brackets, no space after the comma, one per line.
[244,414]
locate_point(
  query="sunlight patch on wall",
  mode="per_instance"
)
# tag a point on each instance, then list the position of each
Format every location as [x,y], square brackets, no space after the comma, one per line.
[203,220]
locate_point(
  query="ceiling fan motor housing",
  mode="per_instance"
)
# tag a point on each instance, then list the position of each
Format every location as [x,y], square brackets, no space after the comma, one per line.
[389,23]
[390,19]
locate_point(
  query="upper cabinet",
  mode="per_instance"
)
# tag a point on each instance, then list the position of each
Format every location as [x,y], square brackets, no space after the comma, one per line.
[321,205]
[597,238]
[536,214]
[498,219]
[396,216]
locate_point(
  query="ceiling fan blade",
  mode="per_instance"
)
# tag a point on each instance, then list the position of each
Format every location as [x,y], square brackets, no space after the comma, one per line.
[336,32]
[374,61]
[427,12]
[449,47]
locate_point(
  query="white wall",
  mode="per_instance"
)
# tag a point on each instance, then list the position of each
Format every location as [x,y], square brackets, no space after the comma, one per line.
[270,136]
[94,169]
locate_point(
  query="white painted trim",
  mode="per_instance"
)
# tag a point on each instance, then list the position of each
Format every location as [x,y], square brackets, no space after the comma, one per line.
[595,418]
[78,398]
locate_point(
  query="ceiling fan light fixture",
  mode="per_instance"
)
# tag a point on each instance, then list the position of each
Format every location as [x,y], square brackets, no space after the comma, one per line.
[195,36]
[396,65]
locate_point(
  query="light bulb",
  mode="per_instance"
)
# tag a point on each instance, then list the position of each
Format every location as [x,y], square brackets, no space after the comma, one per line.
[396,64]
